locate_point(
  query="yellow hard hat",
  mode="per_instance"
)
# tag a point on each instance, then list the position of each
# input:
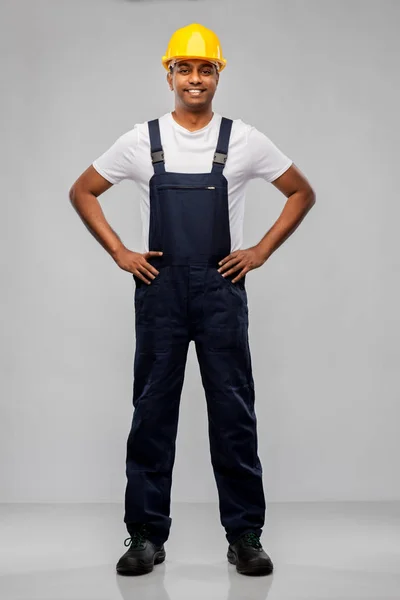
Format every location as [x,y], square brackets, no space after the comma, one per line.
[194,41]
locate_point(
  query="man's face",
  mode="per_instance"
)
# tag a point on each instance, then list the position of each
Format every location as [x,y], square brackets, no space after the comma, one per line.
[194,74]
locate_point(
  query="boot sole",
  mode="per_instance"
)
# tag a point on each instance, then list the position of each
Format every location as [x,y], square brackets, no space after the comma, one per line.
[249,570]
[159,557]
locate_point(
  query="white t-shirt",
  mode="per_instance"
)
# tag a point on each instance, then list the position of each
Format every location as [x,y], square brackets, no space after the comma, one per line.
[251,154]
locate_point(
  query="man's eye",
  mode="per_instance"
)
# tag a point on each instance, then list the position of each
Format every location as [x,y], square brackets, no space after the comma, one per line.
[207,71]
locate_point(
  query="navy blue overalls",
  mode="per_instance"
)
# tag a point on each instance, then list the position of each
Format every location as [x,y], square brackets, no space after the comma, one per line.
[190,300]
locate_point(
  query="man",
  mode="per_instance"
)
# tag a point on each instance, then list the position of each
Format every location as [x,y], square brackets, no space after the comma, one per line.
[192,167]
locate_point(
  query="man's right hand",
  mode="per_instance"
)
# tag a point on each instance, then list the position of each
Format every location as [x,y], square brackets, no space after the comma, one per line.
[136,263]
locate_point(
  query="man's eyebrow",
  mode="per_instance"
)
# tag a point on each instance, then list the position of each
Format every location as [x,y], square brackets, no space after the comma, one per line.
[186,64]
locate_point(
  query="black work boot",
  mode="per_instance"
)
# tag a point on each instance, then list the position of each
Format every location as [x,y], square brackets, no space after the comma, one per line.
[249,557]
[141,556]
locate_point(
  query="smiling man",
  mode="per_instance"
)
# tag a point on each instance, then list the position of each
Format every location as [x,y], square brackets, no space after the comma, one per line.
[192,166]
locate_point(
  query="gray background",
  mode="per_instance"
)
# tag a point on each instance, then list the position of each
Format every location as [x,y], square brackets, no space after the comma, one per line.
[321,80]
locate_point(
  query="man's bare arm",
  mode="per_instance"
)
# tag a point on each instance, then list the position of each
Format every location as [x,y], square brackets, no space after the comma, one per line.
[83,196]
[300,199]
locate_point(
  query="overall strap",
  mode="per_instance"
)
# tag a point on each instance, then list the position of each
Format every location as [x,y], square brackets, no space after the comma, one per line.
[157,153]
[221,153]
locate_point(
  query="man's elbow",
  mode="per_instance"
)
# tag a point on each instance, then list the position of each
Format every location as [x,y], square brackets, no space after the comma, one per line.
[72,194]
[311,196]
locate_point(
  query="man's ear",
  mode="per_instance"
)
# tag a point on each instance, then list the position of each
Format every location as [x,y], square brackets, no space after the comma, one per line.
[169,79]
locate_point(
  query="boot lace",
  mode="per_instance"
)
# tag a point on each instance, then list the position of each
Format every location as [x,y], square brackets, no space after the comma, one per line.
[252,539]
[137,540]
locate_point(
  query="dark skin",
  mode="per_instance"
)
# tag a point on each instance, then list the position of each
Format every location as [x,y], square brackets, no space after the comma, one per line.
[193,113]
[84,198]
[300,198]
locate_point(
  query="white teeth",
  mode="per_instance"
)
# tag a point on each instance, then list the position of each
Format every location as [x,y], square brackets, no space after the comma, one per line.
[194,91]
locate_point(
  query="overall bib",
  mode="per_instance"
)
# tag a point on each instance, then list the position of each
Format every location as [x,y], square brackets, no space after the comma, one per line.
[190,300]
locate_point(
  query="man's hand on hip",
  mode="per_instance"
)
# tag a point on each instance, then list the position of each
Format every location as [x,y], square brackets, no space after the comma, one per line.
[241,260]
[136,263]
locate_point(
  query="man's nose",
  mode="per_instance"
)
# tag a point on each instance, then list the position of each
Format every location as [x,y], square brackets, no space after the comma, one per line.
[195,77]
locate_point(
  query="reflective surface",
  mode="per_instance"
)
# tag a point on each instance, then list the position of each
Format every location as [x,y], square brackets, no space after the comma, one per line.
[319,550]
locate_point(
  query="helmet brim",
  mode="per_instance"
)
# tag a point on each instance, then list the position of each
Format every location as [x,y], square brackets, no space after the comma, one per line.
[221,62]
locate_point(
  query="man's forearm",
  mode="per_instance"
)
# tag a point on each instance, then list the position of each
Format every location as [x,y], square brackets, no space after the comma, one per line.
[88,208]
[294,211]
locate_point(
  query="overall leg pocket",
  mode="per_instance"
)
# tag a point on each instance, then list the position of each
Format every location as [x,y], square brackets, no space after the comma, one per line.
[226,314]
[152,315]
[143,290]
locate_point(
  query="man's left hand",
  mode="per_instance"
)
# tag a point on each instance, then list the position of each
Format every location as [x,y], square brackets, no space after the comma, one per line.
[241,260]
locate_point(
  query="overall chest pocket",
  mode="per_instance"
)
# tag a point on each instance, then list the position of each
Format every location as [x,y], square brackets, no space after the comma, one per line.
[191,219]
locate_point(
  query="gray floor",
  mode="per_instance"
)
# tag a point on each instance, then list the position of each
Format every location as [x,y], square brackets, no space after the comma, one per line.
[320,551]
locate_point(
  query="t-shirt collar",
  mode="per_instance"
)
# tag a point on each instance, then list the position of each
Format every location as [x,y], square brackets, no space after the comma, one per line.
[198,131]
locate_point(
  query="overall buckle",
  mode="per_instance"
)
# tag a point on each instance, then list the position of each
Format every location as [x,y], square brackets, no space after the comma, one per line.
[220,158]
[157,157]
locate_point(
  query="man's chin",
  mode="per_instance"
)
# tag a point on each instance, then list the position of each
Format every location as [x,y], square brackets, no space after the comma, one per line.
[194,101]
[194,105]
